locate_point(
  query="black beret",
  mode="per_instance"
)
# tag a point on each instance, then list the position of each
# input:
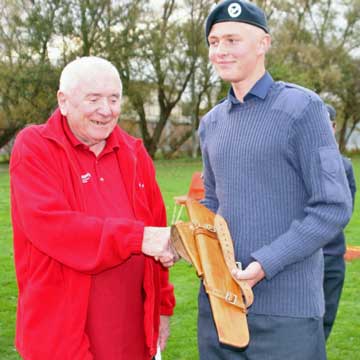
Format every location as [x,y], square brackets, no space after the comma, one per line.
[331,111]
[239,11]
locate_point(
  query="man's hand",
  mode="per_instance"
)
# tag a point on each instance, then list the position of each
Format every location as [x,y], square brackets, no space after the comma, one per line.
[252,274]
[164,331]
[156,243]
[167,261]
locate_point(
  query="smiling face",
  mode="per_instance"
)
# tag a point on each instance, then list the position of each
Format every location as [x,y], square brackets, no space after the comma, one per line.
[92,105]
[237,50]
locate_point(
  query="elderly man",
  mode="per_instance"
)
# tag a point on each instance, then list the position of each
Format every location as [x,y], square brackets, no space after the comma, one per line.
[273,171]
[89,223]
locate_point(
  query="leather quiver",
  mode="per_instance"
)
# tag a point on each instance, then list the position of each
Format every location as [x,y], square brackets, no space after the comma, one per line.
[206,243]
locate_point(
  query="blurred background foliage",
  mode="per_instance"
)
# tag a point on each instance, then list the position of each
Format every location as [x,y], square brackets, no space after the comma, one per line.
[161,54]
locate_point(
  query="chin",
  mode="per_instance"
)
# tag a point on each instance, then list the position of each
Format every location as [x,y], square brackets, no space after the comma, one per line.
[98,137]
[229,79]
[228,76]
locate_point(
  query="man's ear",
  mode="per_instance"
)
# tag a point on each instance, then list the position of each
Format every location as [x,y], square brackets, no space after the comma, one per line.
[264,44]
[62,102]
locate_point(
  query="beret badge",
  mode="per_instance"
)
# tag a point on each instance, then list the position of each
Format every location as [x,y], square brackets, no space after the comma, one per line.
[234,10]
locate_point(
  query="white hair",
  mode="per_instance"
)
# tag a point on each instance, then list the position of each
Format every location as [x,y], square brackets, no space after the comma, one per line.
[75,71]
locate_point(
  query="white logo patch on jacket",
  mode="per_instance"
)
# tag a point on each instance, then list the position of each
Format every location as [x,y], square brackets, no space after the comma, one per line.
[85,178]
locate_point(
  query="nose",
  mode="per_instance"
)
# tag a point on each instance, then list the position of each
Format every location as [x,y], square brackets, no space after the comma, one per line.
[104,107]
[222,49]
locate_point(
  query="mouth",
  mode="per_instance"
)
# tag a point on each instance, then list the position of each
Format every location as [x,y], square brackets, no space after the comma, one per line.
[99,123]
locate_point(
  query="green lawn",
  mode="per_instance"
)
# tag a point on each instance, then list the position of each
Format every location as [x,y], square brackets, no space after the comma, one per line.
[174,177]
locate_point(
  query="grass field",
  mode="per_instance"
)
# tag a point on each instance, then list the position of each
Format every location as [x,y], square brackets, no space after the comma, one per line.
[174,177]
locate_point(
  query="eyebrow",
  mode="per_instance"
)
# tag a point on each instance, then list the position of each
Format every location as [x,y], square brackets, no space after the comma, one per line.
[224,35]
[99,95]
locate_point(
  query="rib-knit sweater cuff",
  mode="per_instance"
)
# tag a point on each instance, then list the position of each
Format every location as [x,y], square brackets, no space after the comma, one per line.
[270,263]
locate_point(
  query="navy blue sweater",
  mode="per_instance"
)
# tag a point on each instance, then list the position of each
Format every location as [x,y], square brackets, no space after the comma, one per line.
[273,170]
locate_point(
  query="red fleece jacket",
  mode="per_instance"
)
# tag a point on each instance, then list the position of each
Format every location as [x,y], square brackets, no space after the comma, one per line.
[58,246]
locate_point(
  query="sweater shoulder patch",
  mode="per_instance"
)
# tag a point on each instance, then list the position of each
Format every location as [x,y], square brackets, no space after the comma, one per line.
[293,99]
[216,111]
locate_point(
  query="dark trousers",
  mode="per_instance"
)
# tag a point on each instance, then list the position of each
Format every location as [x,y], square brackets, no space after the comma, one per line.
[271,338]
[334,275]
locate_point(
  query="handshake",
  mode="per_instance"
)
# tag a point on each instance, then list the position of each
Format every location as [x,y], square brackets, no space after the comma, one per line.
[156,243]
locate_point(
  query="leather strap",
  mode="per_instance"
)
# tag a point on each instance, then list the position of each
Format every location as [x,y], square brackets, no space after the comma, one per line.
[205,231]
[229,297]
[227,247]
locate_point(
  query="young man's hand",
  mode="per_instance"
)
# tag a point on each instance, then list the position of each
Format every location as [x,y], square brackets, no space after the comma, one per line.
[252,274]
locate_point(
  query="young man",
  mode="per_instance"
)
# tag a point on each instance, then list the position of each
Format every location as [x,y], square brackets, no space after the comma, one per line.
[273,171]
[334,263]
[88,220]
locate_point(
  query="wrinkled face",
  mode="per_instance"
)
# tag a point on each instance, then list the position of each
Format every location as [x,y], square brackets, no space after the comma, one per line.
[235,49]
[92,107]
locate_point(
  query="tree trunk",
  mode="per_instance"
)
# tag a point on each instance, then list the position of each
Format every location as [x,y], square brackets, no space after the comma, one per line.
[7,134]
